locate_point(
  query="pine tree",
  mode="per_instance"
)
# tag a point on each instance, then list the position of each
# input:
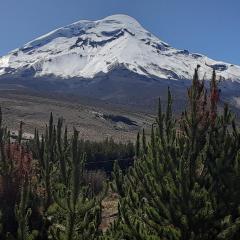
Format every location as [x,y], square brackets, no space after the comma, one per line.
[178,189]
[45,152]
[76,215]
[62,150]
[144,143]
[137,148]
[23,213]
[16,172]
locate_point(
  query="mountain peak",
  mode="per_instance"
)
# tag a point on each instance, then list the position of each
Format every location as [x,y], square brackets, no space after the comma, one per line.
[113,22]
[123,18]
[86,48]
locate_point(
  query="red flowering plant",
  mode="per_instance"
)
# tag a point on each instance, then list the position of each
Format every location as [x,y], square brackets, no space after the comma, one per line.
[21,161]
[17,163]
[18,168]
[202,103]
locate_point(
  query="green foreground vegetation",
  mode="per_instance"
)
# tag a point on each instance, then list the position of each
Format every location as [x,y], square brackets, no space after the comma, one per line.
[181,184]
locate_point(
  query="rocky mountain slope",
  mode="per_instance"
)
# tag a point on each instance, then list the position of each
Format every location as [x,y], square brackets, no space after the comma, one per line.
[88,48]
[113,59]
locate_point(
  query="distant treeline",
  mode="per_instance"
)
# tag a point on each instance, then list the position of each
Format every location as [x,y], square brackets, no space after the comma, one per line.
[103,155]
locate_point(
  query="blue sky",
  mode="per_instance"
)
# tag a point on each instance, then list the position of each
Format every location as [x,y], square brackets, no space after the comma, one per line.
[211,27]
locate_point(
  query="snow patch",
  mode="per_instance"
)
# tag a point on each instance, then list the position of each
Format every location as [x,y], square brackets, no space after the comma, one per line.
[87,48]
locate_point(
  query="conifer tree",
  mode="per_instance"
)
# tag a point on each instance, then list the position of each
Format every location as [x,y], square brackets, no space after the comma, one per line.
[137,147]
[178,190]
[23,213]
[76,215]
[45,151]
[16,171]
[144,143]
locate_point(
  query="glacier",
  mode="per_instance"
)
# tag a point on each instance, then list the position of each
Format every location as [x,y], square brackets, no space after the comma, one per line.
[86,49]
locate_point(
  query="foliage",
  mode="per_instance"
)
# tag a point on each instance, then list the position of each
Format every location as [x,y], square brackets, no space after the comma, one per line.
[75,214]
[102,155]
[185,184]
[44,187]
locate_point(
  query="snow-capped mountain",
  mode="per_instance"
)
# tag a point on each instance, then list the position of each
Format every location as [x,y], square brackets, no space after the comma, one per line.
[87,49]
